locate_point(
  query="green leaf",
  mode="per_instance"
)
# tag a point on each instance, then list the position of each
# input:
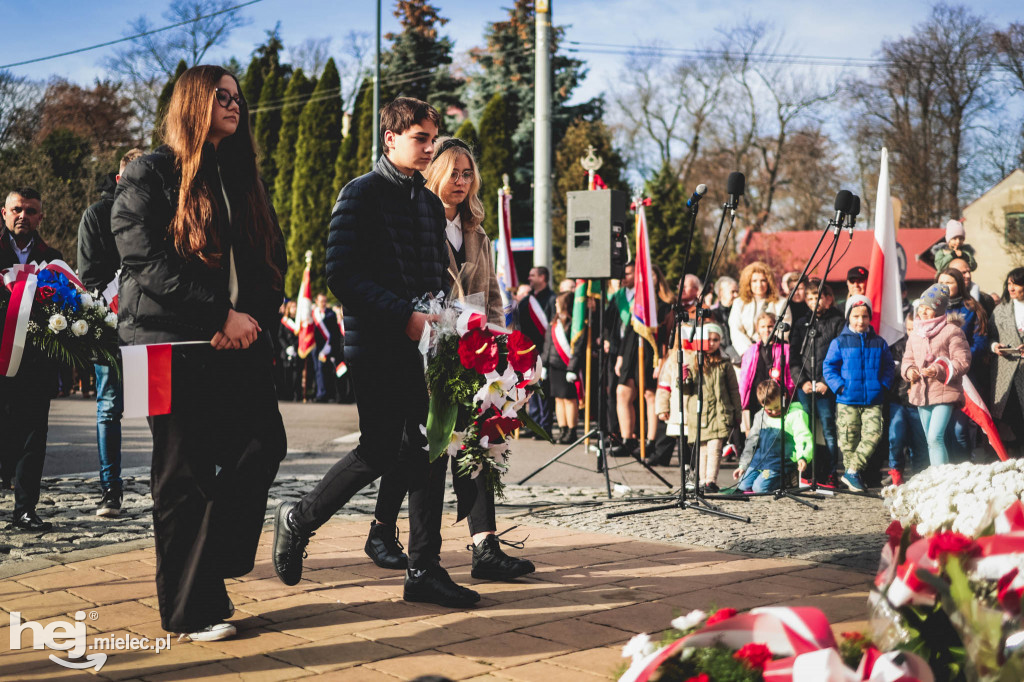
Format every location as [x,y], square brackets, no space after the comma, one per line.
[440,424]
[533,426]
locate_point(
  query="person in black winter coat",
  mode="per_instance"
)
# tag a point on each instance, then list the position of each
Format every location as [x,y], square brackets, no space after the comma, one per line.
[25,397]
[385,249]
[562,358]
[203,260]
[98,263]
[806,364]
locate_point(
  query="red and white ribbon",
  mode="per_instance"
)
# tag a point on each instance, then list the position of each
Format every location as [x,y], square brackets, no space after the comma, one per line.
[21,280]
[537,314]
[562,343]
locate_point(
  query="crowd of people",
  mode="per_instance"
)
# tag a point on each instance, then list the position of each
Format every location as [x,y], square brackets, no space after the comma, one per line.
[187,239]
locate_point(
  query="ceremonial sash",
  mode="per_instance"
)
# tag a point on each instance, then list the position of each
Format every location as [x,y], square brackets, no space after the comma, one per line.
[562,343]
[290,324]
[540,319]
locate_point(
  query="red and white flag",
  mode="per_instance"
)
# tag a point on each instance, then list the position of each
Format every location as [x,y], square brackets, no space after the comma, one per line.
[147,380]
[974,407]
[883,271]
[505,270]
[645,303]
[304,314]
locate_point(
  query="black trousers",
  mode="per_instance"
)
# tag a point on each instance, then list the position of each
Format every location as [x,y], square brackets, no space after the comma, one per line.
[391,399]
[24,422]
[393,488]
[214,460]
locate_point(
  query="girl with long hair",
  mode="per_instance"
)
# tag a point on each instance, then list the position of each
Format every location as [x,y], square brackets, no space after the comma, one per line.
[561,359]
[453,176]
[203,262]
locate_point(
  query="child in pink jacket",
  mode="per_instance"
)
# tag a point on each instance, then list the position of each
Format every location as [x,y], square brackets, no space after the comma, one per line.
[760,363]
[936,359]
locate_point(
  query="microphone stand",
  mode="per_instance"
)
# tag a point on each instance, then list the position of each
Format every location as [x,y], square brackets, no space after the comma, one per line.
[699,503]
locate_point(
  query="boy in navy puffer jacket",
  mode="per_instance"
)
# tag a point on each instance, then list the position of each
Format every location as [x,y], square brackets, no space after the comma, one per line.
[859,370]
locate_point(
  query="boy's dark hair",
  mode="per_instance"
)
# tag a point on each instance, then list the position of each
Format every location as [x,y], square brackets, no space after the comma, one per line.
[814,283]
[403,113]
[768,392]
[26,193]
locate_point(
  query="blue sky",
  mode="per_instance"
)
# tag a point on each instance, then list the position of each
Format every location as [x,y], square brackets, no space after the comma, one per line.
[34,28]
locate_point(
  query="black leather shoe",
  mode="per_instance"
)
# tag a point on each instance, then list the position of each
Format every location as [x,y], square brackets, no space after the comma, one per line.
[491,563]
[30,521]
[626,449]
[383,547]
[435,586]
[289,545]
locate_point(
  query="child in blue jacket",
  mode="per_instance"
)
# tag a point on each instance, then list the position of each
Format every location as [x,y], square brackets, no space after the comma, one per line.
[859,370]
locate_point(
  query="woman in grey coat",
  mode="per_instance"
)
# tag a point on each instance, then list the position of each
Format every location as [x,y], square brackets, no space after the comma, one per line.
[1007,333]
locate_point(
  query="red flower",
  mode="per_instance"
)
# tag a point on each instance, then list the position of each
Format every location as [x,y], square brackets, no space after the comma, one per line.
[720,615]
[498,428]
[703,677]
[477,350]
[754,655]
[45,293]
[522,352]
[895,533]
[852,637]
[951,543]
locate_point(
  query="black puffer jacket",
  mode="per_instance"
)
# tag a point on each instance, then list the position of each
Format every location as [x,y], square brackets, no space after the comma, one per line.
[97,253]
[385,247]
[827,328]
[164,297]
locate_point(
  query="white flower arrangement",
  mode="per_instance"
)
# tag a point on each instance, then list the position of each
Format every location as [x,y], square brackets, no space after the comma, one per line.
[964,498]
[111,320]
[79,327]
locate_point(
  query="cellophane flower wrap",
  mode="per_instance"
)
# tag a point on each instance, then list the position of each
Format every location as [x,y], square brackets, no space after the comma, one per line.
[480,378]
[951,576]
[65,323]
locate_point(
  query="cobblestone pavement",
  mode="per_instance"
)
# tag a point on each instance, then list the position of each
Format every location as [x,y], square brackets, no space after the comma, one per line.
[847,530]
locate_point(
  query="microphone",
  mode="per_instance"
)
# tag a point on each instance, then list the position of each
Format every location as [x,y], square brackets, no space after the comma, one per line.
[701,190]
[734,186]
[844,199]
[852,217]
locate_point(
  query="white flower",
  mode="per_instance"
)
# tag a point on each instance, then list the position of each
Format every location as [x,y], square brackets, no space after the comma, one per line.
[87,300]
[58,323]
[495,390]
[456,443]
[690,620]
[111,320]
[639,647]
[79,327]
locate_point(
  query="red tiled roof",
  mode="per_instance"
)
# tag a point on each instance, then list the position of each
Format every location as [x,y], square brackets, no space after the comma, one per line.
[792,249]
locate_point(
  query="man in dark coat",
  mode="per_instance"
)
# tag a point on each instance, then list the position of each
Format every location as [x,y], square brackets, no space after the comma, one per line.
[328,345]
[25,397]
[98,264]
[534,316]
[384,250]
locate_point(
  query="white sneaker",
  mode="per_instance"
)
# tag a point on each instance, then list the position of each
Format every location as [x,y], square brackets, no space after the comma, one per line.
[211,633]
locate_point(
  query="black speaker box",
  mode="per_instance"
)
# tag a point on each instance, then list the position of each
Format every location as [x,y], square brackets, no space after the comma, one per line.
[596,234]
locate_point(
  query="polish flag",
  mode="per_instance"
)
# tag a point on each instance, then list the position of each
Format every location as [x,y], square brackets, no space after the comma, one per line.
[304,313]
[645,304]
[974,407]
[505,270]
[147,380]
[883,286]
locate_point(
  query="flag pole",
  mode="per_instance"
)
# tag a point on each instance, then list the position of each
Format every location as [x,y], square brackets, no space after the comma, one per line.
[591,163]
[642,421]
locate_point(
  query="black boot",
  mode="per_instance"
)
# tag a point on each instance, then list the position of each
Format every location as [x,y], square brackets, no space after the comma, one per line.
[626,449]
[289,545]
[383,547]
[491,563]
[433,585]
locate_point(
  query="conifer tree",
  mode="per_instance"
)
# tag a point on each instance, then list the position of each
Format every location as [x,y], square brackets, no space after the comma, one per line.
[252,83]
[570,176]
[364,149]
[312,188]
[417,64]
[268,125]
[346,167]
[495,156]
[295,95]
[467,133]
[163,100]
